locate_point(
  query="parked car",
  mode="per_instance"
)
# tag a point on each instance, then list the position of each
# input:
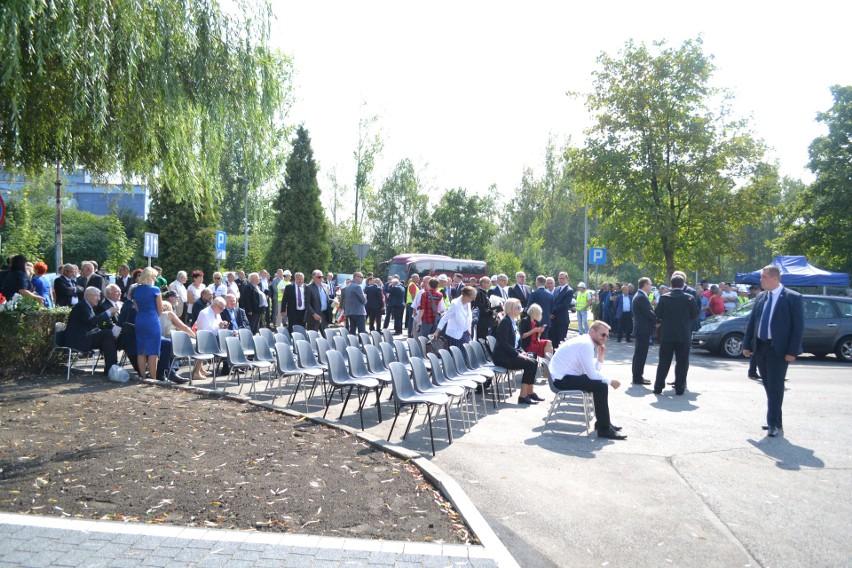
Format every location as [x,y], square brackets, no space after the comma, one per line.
[828,328]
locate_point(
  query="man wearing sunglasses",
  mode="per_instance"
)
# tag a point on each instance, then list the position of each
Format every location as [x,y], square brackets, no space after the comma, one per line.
[575,366]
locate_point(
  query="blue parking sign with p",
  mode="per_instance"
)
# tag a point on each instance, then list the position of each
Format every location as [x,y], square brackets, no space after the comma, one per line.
[597,256]
[221,238]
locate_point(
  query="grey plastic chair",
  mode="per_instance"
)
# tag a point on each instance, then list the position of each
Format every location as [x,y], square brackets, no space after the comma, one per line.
[358,369]
[238,361]
[298,336]
[246,341]
[440,379]
[571,396]
[281,338]
[377,338]
[339,379]
[388,354]
[284,331]
[207,342]
[405,395]
[309,364]
[182,349]
[463,366]
[263,353]
[423,385]
[452,373]
[353,341]
[268,335]
[73,354]
[387,336]
[340,344]
[286,368]
[476,353]
[366,338]
[415,350]
[300,329]
[313,335]
[402,353]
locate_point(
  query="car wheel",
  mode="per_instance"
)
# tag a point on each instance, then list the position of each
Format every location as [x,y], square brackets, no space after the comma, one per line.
[844,349]
[732,345]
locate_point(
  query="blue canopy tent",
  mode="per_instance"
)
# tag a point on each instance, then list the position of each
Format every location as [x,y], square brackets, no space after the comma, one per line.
[796,271]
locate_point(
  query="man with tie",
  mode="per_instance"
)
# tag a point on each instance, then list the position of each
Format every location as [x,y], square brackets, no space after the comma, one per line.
[624,313]
[675,311]
[65,288]
[774,333]
[644,325]
[331,285]
[86,331]
[123,281]
[544,299]
[112,299]
[89,279]
[520,291]
[560,319]
[294,301]
[316,314]
[234,315]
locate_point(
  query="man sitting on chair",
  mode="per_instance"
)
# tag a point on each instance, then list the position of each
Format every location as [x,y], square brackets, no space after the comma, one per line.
[87,331]
[575,367]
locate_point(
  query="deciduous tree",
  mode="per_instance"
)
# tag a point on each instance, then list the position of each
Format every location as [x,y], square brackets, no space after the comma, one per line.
[395,209]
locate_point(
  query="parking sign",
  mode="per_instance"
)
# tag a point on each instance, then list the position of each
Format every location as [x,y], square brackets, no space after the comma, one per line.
[221,238]
[597,256]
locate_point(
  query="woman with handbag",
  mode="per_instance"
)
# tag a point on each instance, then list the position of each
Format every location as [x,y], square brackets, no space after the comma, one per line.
[508,352]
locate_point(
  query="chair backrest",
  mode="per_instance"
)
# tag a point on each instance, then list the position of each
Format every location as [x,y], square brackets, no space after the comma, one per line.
[366,338]
[374,359]
[401,353]
[377,338]
[223,335]
[331,332]
[438,376]
[298,336]
[387,336]
[322,350]
[424,342]
[206,343]
[181,344]
[353,340]
[402,387]
[59,334]
[246,339]
[340,344]
[300,329]
[284,358]
[281,338]
[388,354]
[261,349]
[338,375]
[458,359]
[492,342]
[420,375]
[284,331]
[479,353]
[306,354]
[450,370]
[414,348]
[312,338]
[268,335]
[471,355]
[235,352]
[357,368]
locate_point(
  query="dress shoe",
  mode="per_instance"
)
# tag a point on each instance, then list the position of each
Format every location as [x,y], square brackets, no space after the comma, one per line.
[677,392]
[616,428]
[642,382]
[628,341]
[611,434]
[658,391]
[536,398]
[774,431]
[754,377]
[526,400]
[177,379]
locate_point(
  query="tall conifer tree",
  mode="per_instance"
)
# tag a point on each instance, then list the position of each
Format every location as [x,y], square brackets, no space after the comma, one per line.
[300,241]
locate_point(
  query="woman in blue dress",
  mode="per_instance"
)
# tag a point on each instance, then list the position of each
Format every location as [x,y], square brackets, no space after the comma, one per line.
[149,306]
[40,283]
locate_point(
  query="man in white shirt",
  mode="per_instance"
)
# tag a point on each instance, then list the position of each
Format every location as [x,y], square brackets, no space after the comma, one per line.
[574,366]
[179,288]
[218,287]
[209,317]
[729,296]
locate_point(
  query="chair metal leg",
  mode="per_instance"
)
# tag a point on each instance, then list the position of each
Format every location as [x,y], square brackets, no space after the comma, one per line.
[396,415]
[410,420]
[449,428]
[431,433]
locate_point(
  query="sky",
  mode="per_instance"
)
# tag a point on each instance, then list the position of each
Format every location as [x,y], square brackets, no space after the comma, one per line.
[471,91]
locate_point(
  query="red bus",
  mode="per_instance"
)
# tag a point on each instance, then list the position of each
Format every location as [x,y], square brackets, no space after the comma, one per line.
[405,265]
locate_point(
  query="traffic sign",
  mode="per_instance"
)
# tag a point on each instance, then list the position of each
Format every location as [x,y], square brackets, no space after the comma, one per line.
[361,250]
[221,238]
[220,255]
[152,245]
[597,256]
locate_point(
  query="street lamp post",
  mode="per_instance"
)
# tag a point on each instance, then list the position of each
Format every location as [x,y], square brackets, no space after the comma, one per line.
[57,244]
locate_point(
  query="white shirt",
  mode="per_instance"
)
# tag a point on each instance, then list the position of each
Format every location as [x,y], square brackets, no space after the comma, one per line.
[196,290]
[776,295]
[179,289]
[457,320]
[219,290]
[730,300]
[577,357]
[208,319]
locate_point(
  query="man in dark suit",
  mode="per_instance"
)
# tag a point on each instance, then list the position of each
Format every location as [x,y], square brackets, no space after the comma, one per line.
[123,281]
[234,315]
[624,313]
[544,299]
[65,287]
[644,324]
[774,333]
[675,311]
[318,303]
[251,300]
[84,331]
[89,279]
[355,305]
[375,304]
[561,317]
[294,301]
[396,304]
[112,298]
[520,290]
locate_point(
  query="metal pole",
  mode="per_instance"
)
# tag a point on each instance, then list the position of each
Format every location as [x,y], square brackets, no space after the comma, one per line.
[245,237]
[586,243]
[57,243]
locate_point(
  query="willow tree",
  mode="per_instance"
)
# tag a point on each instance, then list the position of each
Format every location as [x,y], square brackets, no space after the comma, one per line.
[665,168]
[144,88]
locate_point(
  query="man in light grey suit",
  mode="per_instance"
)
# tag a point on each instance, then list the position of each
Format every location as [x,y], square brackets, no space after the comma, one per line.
[355,305]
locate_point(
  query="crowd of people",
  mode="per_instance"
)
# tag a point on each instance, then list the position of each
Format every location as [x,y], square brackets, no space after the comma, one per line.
[139,310]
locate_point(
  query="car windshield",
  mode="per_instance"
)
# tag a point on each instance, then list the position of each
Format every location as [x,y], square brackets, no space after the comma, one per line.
[743,310]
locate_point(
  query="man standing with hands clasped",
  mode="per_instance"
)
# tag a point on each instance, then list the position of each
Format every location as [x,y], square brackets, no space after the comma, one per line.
[644,324]
[574,366]
[675,310]
[774,333]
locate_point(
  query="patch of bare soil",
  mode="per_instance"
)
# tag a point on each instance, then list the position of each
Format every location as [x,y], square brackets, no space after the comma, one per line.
[96,450]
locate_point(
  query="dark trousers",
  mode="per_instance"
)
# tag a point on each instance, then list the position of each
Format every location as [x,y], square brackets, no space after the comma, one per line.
[387,316]
[409,320]
[640,355]
[356,324]
[773,370]
[519,363]
[397,312]
[254,322]
[752,365]
[679,349]
[103,340]
[374,317]
[558,333]
[315,325]
[297,318]
[625,326]
[600,394]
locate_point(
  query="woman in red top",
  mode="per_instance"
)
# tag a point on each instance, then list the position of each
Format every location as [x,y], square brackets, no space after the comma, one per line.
[530,330]
[717,303]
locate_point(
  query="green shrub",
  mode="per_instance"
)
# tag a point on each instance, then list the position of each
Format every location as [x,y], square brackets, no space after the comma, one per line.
[27,338]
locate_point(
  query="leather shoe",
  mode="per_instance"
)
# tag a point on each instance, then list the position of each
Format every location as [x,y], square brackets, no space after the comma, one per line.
[536,398]
[774,431]
[754,377]
[677,392]
[526,400]
[175,378]
[766,427]
[616,428]
[642,382]
[611,434]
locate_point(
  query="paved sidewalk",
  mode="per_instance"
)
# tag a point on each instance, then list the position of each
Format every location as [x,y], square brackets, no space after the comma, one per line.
[33,541]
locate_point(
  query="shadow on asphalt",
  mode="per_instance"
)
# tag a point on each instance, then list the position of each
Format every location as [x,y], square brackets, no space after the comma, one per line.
[676,403]
[786,455]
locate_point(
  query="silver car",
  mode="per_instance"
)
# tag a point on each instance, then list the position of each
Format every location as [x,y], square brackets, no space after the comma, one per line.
[828,328]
